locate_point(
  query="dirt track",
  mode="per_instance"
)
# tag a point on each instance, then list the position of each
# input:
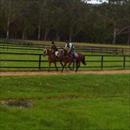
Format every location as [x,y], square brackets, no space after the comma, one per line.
[31,73]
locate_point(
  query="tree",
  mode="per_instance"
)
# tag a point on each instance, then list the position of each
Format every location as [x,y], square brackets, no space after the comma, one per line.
[9,10]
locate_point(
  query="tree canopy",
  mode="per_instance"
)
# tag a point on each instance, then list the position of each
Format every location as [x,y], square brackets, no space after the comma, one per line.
[62,20]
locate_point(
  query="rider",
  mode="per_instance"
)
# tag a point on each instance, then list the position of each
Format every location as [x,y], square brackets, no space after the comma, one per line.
[70,48]
[54,48]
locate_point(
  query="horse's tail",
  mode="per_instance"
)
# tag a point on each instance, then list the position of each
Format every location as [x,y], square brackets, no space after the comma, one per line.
[83,60]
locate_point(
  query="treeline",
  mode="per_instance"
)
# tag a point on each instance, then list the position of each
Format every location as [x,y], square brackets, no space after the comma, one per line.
[62,20]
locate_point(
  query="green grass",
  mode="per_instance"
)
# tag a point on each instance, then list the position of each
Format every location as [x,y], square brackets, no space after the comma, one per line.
[67,102]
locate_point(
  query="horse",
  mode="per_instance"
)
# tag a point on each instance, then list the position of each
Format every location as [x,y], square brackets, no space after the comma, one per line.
[65,59]
[52,58]
[69,58]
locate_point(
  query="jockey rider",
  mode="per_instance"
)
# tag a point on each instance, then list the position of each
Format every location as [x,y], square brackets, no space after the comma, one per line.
[70,48]
[54,48]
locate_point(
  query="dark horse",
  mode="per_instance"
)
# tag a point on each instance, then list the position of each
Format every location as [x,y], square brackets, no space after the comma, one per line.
[69,58]
[66,59]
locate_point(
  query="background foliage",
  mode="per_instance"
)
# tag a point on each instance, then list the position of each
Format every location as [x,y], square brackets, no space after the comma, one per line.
[64,20]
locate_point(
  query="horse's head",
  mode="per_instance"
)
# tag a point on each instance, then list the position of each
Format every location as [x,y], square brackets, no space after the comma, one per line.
[46,51]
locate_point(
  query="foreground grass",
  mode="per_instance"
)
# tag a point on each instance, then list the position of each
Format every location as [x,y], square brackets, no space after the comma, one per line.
[67,102]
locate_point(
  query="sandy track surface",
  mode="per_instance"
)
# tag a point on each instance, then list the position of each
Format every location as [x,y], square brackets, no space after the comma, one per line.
[45,73]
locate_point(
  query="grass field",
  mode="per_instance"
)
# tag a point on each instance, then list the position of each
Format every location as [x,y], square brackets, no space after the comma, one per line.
[67,102]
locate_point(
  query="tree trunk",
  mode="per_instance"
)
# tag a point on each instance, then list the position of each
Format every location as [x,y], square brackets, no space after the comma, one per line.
[70,35]
[23,34]
[128,42]
[114,35]
[7,31]
[39,32]
[57,36]
[45,35]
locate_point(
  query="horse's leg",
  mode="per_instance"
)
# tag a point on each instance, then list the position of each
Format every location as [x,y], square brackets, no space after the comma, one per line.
[49,66]
[77,66]
[69,65]
[64,66]
[61,64]
[74,62]
[56,66]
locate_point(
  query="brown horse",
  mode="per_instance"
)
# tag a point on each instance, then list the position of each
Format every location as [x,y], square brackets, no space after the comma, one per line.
[69,58]
[65,59]
[52,58]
